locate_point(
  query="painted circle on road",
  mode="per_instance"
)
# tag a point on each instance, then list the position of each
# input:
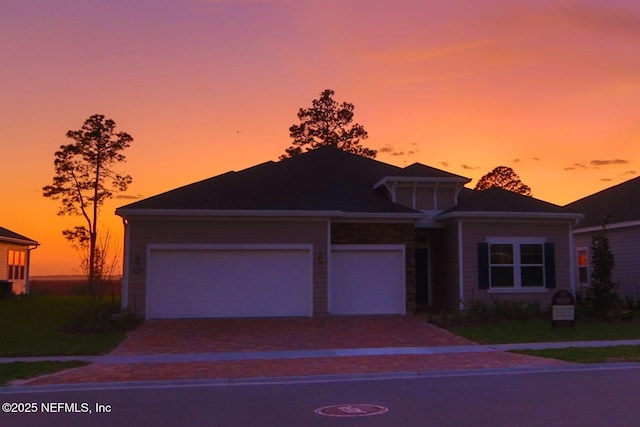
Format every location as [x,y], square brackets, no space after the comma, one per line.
[351,410]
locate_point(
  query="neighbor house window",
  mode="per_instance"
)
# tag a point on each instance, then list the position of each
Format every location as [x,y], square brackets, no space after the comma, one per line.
[583,266]
[517,264]
[16,264]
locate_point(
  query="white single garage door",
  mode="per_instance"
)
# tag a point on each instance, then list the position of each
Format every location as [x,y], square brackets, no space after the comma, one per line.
[367,279]
[241,281]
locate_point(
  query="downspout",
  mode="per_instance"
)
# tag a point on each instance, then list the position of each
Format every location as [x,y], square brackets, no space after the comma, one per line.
[460,267]
[28,268]
[328,266]
[572,260]
[124,296]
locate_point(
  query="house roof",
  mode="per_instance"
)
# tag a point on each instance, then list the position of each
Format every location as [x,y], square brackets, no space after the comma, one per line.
[325,179]
[420,170]
[502,203]
[620,203]
[330,182]
[13,237]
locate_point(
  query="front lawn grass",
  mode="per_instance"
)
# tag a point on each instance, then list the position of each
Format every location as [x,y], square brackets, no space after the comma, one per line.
[30,326]
[24,370]
[525,331]
[615,354]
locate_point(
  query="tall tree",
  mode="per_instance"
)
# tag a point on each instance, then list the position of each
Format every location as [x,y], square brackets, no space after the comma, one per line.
[327,123]
[503,177]
[84,178]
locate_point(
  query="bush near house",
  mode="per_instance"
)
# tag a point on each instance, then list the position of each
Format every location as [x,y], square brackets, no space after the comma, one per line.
[6,291]
[479,312]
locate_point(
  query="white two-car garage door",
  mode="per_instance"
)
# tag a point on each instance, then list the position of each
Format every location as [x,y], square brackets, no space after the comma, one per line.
[367,279]
[229,281]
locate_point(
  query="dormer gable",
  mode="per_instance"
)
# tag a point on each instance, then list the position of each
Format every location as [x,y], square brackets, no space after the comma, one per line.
[423,188]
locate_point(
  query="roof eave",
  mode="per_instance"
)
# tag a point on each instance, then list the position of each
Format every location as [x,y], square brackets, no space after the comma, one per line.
[127,213]
[27,242]
[518,215]
[612,226]
[453,180]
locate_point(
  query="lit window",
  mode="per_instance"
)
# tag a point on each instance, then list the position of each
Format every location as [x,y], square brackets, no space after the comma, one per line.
[16,262]
[583,266]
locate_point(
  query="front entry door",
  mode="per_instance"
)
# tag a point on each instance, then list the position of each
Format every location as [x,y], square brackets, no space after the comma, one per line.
[422,277]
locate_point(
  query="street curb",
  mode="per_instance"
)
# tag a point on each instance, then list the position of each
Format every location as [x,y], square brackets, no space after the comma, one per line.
[298,354]
[220,382]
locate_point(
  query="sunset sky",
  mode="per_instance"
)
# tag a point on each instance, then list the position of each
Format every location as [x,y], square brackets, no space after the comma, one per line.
[550,88]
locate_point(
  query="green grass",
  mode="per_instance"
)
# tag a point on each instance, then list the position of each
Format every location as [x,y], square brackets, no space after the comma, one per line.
[24,370]
[29,326]
[621,353]
[524,331]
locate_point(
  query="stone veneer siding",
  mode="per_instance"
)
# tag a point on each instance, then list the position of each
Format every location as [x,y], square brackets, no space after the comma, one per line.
[382,234]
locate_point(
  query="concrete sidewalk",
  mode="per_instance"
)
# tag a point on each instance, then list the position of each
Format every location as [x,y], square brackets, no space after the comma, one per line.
[266,365]
[305,354]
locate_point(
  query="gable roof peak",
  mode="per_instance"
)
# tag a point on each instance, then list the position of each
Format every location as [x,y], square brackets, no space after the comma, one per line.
[502,203]
[620,203]
[422,170]
[11,236]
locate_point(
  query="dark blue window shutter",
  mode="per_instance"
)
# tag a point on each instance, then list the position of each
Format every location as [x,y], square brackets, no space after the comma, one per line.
[550,265]
[483,265]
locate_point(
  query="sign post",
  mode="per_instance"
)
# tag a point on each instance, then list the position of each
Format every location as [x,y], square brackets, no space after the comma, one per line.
[563,309]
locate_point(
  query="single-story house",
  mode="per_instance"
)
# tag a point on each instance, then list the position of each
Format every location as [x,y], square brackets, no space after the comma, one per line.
[15,254]
[618,209]
[329,232]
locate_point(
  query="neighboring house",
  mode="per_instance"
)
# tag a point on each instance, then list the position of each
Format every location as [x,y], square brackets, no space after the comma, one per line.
[619,208]
[329,232]
[15,253]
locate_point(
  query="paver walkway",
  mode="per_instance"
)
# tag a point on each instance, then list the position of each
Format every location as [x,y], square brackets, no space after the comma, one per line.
[169,350]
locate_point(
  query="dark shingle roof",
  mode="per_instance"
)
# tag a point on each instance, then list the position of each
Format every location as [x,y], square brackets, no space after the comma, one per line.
[621,203]
[497,200]
[420,170]
[8,235]
[324,179]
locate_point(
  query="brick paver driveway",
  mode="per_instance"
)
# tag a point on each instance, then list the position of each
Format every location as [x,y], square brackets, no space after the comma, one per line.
[232,335]
[338,332]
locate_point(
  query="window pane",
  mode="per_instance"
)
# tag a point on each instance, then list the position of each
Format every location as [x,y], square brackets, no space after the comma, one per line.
[583,276]
[501,254]
[22,256]
[532,276]
[531,254]
[582,258]
[501,276]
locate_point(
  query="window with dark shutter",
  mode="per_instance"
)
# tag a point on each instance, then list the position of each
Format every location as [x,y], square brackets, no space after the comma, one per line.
[483,265]
[516,263]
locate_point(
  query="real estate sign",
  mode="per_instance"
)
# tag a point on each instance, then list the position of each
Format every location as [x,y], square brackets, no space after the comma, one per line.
[563,309]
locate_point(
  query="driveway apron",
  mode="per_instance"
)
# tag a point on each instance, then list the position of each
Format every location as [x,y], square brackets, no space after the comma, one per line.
[189,336]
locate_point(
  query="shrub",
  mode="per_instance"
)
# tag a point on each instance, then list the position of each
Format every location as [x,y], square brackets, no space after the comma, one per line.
[601,300]
[100,317]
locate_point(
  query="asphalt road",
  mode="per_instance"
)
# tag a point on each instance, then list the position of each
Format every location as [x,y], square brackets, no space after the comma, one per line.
[600,396]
